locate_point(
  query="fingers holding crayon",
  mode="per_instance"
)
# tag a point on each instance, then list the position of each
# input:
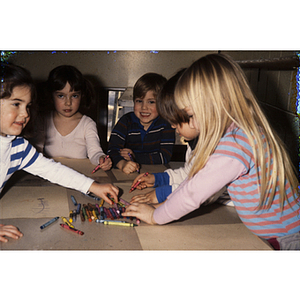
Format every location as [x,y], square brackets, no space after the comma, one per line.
[143,181]
[105,191]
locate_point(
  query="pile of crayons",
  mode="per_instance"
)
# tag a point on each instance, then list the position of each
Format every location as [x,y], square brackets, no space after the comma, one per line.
[95,212]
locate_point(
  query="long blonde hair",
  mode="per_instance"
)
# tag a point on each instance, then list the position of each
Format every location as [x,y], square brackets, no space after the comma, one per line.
[217,90]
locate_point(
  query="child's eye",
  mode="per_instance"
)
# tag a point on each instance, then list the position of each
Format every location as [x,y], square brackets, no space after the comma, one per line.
[75,96]
[138,101]
[17,104]
[152,102]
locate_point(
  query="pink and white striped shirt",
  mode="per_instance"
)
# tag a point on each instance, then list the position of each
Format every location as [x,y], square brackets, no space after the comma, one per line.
[232,165]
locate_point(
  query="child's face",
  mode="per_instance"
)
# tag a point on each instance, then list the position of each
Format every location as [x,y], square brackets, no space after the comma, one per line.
[14,111]
[145,109]
[186,131]
[66,102]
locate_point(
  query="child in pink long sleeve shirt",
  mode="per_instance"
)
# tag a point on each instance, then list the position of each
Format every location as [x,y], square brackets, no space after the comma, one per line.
[238,149]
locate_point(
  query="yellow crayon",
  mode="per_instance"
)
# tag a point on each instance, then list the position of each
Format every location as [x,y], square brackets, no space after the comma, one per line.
[119,224]
[67,222]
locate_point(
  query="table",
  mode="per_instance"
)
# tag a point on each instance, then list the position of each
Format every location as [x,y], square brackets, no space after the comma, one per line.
[212,227]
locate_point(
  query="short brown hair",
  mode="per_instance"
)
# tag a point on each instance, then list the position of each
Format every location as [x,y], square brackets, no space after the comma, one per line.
[148,82]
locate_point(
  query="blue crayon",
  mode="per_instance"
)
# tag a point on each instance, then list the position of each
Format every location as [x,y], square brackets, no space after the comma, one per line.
[49,222]
[90,195]
[74,200]
[101,213]
[78,209]
[112,212]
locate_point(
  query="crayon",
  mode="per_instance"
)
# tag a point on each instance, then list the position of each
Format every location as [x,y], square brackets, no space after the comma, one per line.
[108,213]
[74,200]
[72,229]
[71,216]
[74,215]
[112,212]
[94,214]
[102,214]
[98,208]
[90,195]
[117,223]
[88,213]
[137,183]
[98,166]
[49,222]
[123,201]
[117,214]
[84,213]
[91,206]
[78,209]
[82,216]
[67,222]
[101,203]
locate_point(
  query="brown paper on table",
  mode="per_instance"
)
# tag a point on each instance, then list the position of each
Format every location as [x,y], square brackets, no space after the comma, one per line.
[83,166]
[121,176]
[34,202]
[199,237]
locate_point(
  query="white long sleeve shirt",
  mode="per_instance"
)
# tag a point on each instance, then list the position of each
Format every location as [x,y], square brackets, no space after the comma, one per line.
[17,153]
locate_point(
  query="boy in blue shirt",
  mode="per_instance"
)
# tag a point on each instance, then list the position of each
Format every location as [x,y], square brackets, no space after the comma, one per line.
[142,136]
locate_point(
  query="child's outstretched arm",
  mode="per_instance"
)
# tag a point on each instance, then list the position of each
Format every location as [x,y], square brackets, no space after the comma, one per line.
[143,212]
[102,190]
[9,231]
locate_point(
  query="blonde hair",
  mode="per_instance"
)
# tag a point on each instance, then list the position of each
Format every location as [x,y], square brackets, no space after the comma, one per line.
[217,90]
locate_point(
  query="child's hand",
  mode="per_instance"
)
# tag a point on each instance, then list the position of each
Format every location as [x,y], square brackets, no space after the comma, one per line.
[128,166]
[9,231]
[149,198]
[145,181]
[102,190]
[124,153]
[143,212]
[105,165]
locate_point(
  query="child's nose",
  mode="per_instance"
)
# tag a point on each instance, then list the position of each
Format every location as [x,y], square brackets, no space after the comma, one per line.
[25,113]
[68,101]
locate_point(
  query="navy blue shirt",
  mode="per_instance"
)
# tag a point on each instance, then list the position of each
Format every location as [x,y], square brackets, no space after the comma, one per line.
[150,147]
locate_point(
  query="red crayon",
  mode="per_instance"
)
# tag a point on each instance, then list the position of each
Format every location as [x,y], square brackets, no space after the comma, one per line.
[137,183]
[98,166]
[72,229]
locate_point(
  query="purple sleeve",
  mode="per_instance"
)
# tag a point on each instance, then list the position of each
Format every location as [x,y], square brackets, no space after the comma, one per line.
[218,172]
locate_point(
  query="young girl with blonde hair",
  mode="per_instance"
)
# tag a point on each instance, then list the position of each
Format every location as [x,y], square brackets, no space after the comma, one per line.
[236,148]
